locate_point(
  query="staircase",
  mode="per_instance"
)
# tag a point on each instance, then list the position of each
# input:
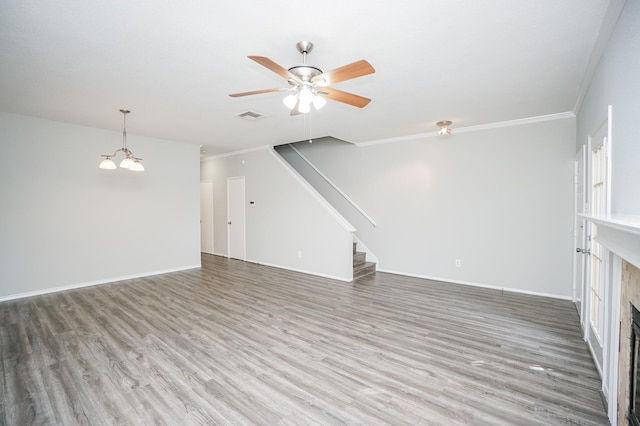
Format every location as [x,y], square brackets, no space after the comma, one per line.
[361,268]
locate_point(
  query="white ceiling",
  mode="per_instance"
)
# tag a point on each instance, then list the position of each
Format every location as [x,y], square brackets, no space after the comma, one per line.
[173,63]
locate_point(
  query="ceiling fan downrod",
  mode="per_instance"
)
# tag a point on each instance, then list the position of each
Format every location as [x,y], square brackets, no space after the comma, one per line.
[304,47]
[304,72]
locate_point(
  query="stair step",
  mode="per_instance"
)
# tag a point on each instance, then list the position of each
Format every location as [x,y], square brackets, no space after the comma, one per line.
[359,258]
[367,269]
[361,268]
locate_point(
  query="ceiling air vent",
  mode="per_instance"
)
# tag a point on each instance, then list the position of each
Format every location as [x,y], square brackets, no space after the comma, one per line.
[251,115]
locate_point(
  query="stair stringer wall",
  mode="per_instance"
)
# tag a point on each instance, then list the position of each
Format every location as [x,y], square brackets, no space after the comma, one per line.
[345,209]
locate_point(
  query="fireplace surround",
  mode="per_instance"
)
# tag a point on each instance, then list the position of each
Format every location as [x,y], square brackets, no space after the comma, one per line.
[620,235]
[628,386]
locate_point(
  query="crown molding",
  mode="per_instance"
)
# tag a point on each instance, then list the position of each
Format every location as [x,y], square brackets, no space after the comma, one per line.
[496,125]
[239,152]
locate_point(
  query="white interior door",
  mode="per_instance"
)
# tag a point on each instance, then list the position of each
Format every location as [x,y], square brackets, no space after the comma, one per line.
[579,231]
[236,218]
[206,217]
[601,291]
[595,288]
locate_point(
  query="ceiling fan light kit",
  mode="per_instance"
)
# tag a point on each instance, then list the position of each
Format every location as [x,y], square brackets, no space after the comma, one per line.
[290,101]
[308,84]
[130,161]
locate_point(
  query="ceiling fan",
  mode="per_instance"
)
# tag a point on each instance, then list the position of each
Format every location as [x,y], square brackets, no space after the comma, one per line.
[309,85]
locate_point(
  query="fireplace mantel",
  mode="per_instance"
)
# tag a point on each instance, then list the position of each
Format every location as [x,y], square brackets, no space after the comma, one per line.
[620,234]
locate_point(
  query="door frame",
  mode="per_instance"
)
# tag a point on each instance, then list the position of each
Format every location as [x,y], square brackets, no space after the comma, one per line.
[586,289]
[579,223]
[243,220]
[591,145]
[611,285]
[206,187]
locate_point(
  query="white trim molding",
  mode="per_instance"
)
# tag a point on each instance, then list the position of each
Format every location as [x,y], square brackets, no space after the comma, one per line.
[93,283]
[620,234]
[472,284]
[239,152]
[302,271]
[479,127]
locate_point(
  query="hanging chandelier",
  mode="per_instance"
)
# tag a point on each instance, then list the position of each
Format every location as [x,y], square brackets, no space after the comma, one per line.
[130,161]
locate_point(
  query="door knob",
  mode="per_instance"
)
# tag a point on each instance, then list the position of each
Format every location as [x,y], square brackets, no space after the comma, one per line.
[229,223]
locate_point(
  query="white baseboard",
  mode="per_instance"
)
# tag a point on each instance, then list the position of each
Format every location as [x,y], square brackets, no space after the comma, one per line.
[333,277]
[92,283]
[221,254]
[594,358]
[493,287]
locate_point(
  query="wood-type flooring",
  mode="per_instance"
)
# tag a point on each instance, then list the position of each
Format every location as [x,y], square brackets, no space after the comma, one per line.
[236,343]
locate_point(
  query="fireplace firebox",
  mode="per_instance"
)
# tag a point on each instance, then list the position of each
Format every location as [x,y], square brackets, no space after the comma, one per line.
[634,371]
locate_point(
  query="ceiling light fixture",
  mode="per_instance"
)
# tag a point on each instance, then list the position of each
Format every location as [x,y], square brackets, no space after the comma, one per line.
[309,84]
[303,96]
[444,127]
[130,161]
[304,89]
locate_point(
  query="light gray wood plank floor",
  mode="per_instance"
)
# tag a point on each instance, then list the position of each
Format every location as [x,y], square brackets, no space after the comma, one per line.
[238,343]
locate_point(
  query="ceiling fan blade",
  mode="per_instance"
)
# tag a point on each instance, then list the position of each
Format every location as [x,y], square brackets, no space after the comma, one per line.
[280,70]
[344,97]
[257,92]
[346,72]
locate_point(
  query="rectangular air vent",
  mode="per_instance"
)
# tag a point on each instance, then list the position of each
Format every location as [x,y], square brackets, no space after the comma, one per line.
[251,115]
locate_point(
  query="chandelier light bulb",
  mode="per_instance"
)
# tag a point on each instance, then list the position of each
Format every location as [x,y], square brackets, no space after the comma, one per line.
[107,164]
[127,163]
[304,107]
[290,101]
[306,97]
[319,102]
[137,166]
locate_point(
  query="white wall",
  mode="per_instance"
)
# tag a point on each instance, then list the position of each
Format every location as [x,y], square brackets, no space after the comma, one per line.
[284,220]
[64,222]
[499,200]
[616,82]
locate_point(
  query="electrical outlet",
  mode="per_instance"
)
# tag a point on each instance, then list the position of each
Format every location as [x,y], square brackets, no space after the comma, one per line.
[458,263]
[299,254]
